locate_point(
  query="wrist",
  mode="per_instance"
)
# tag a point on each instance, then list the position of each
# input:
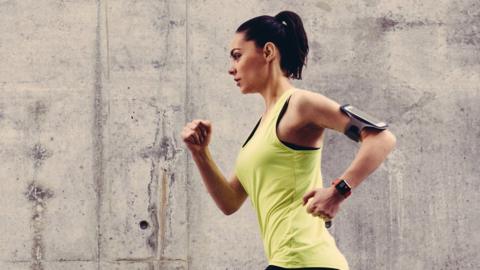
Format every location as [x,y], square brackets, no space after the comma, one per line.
[336,196]
[201,154]
[342,187]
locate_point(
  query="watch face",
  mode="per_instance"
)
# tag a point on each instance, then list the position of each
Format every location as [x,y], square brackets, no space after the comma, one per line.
[342,187]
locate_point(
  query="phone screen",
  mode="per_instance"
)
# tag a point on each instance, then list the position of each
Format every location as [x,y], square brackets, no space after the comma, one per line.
[365,116]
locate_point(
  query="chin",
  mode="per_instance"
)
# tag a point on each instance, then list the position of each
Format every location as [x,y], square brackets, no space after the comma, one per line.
[243,90]
[246,91]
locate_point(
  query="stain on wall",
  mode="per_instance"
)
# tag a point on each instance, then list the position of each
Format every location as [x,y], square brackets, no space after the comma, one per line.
[38,196]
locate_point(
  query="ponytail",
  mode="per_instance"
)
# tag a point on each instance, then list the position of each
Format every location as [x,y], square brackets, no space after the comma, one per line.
[296,45]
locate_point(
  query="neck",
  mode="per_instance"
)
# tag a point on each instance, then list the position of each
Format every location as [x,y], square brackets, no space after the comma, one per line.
[273,90]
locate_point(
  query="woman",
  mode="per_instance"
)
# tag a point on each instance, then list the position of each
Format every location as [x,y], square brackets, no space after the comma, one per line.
[279,164]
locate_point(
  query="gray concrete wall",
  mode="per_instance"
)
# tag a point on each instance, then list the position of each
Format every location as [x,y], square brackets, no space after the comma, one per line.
[94,94]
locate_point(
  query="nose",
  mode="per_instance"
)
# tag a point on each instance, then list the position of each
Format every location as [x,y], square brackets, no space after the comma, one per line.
[232,71]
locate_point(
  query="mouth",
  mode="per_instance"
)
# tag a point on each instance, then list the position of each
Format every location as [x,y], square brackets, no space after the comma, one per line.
[237,81]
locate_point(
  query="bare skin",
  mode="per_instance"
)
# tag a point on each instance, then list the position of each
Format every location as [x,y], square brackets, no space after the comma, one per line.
[304,122]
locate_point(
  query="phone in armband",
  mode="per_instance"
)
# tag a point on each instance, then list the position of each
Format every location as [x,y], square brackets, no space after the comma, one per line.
[360,120]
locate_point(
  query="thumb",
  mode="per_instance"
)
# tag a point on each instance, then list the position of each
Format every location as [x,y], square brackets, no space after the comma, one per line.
[308,195]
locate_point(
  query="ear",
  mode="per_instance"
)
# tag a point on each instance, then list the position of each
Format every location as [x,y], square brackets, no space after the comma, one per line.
[269,51]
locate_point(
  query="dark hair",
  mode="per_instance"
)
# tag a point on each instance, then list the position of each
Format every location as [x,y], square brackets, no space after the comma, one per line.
[286,31]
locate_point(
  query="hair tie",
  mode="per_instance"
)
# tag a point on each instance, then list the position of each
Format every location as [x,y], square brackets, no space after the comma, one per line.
[281,21]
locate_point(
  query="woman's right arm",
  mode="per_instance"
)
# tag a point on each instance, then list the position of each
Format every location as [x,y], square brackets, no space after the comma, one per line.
[228,195]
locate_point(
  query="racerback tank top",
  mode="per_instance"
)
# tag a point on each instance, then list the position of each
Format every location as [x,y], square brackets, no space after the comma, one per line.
[276,176]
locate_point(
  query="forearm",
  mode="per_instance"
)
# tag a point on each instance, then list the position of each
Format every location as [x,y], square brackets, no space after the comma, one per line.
[216,184]
[373,151]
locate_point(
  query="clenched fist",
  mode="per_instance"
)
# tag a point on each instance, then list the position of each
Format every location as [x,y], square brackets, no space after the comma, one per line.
[325,202]
[196,134]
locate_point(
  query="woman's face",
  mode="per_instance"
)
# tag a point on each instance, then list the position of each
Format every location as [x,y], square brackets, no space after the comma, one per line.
[249,66]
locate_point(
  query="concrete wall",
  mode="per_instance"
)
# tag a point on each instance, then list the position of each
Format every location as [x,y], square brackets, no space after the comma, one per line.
[94,94]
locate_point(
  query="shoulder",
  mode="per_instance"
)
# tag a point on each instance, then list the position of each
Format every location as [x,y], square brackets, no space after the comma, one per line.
[319,110]
[307,101]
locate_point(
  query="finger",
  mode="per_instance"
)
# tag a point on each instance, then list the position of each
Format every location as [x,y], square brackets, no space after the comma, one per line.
[207,124]
[203,130]
[324,215]
[307,196]
[311,208]
[187,138]
[198,129]
[199,122]
[190,140]
[320,215]
[201,135]
[326,219]
[195,137]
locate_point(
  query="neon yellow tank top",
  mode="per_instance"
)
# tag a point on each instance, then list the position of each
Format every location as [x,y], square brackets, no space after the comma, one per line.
[276,177]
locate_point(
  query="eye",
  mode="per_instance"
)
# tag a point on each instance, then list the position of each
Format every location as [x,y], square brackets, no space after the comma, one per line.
[236,56]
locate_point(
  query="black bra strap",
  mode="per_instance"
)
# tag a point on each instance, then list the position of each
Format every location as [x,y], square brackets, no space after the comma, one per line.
[291,145]
[253,132]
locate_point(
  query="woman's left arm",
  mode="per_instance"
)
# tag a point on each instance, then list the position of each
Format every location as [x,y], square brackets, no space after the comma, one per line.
[323,112]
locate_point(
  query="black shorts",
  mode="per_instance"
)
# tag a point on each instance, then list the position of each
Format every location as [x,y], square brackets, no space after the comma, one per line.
[273,267]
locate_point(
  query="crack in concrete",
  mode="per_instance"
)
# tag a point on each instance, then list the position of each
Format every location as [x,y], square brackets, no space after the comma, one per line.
[162,154]
[393,22]
[154,155]
[163,211]
[35,193]
[152,240]
[38,195]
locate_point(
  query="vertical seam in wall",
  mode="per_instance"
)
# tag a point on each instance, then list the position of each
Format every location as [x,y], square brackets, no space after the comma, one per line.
[187,116]
[97,130]
[107,39]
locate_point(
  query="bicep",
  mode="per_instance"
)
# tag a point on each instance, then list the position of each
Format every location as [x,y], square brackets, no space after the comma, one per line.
[238,189]
[322,111]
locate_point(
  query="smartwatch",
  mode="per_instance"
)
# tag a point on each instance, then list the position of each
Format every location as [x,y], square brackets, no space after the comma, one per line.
[342,187]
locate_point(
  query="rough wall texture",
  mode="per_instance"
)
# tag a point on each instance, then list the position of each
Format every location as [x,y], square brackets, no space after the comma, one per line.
[94,94]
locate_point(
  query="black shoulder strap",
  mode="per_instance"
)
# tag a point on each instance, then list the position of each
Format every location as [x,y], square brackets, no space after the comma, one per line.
[284,109]
[253,132]
[291,145]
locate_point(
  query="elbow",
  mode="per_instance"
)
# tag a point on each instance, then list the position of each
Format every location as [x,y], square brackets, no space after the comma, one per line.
[390,140]
[384,139]
[228,212]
